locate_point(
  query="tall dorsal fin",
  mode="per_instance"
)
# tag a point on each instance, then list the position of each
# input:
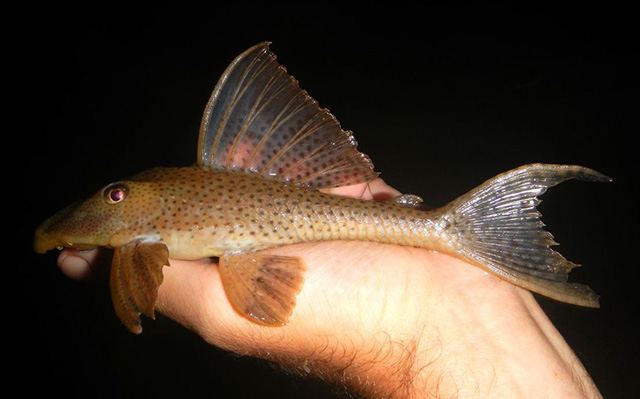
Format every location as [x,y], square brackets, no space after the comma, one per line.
[259,120]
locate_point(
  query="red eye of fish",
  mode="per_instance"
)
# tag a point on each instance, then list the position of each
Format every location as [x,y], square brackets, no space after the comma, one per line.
[115,193]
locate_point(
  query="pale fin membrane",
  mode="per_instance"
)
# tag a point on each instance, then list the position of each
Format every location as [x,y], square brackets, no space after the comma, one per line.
[136,274]
[408,200]
[259,120]
[499,229]
[262,287]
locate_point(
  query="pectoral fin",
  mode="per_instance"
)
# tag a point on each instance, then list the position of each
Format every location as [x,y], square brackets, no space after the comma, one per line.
[262,287]
[136,274]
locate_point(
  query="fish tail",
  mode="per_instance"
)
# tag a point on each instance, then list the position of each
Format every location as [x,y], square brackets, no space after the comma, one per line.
[498,228]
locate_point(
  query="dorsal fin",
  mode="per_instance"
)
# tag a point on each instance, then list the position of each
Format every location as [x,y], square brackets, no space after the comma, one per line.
[259,120]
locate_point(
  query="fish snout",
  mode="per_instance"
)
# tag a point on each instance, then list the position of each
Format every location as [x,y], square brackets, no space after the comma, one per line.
[65,229]
[43,242]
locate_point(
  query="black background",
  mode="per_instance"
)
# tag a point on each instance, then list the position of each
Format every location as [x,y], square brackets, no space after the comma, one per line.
[440,99]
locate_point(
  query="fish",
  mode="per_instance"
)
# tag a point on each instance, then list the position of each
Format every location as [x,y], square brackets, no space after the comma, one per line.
[266,152]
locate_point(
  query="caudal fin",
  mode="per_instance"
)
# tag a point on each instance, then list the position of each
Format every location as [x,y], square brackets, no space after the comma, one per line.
[499,229]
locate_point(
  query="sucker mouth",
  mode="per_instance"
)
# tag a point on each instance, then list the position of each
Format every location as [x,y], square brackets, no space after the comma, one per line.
[43,242]
[79,247]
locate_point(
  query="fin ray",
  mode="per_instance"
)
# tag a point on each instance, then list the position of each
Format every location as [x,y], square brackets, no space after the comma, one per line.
[259,120]
[500,230]
[136,274]
[262,287]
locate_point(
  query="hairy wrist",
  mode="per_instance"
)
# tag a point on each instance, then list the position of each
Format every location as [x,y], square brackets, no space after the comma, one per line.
[395,322]
[449,330]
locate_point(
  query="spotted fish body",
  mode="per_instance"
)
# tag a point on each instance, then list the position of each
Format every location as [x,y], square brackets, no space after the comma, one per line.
[209,213]
[265,148]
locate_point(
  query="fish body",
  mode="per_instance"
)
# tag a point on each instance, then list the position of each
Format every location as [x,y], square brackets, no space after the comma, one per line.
[265,150]
[199,213]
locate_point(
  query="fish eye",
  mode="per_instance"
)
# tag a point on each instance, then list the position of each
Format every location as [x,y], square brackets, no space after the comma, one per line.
[115,193]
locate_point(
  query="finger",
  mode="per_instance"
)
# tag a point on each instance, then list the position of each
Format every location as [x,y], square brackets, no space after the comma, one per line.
[354,191]
[81,265]
[375,190]
[380,190]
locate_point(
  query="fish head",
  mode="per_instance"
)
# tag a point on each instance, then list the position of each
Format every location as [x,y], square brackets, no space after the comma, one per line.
[115,210]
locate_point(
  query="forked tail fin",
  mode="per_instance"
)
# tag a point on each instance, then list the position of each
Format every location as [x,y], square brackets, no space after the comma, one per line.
[499,230]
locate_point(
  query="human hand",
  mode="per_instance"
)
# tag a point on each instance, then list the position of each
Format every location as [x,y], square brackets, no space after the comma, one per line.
[386,320]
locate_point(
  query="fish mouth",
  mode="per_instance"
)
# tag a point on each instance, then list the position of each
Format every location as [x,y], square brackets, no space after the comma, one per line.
[44,242]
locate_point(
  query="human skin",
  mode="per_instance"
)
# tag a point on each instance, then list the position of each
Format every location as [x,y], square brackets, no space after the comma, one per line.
[385,321]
